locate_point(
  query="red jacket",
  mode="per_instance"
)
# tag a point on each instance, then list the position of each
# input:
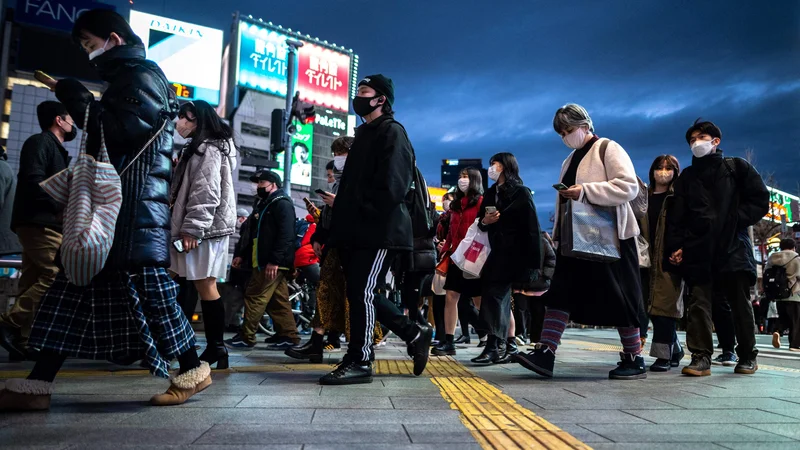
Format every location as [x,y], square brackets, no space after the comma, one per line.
[460,221]
[304,256]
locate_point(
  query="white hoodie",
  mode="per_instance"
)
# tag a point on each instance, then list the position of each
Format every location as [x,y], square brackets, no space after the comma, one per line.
[790,259]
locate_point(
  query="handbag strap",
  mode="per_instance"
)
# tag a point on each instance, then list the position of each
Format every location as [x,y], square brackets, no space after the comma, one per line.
[149,142]
[102,155]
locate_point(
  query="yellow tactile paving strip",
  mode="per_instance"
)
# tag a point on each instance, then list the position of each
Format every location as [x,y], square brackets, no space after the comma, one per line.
[495,420]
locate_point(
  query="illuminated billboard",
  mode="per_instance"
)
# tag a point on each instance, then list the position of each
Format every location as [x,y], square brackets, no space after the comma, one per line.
[302,145]
[783,206]
[323,75]
[190,55]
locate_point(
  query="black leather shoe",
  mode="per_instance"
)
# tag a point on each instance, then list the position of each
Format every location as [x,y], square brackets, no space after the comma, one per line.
[9,340]
[463,340]
[422,349]
[311,350]
[348,373]
[489,354]
[444,350]
[503,357]
[511,346]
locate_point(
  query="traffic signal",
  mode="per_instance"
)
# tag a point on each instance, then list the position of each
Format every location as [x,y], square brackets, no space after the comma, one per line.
[303,111]
[277,130]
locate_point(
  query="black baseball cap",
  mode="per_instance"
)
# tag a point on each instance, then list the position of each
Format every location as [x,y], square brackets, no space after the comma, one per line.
[267,175]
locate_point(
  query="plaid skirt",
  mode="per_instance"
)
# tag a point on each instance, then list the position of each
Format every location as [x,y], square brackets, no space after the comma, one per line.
[120,316]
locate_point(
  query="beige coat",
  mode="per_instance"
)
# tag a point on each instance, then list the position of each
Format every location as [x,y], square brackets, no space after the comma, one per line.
[204,202]
[665,298]
[609,183]
[789,259]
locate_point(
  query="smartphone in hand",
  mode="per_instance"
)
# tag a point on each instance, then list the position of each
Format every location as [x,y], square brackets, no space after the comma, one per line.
[491,209]
[560,187]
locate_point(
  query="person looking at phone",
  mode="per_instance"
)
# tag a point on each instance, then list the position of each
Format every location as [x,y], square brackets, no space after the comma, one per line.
[273,252]
[508,215]
[204,215]
[585,291]
[36,219]
[129,310]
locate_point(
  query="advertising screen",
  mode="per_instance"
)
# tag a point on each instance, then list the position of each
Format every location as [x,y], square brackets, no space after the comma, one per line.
[782,204]
[301,144]
[323,75]
[190,55]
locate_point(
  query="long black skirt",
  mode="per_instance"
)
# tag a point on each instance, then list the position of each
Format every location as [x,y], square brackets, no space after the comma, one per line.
[595,293]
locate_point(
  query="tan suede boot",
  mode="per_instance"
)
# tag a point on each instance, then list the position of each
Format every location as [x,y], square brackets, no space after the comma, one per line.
[25,395]
[184,386]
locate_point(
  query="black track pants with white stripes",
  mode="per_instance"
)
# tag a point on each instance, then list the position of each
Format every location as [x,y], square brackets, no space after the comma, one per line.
[365,272]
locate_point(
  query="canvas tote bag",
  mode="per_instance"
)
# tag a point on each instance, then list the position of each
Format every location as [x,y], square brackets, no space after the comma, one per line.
[92,193]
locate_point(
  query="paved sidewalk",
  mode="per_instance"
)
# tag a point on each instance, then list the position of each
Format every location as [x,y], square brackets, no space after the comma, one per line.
[270,401]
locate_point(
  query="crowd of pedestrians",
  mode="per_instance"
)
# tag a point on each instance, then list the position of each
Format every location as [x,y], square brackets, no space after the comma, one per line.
[682,237]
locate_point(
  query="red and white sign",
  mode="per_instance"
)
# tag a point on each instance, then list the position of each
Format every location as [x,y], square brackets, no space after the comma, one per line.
[323,77]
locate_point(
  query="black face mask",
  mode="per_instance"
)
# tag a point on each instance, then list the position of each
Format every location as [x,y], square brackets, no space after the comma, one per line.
[362,107]
[71,134]
[262,192]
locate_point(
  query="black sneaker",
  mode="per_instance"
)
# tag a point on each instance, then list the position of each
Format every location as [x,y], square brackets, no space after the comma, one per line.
[421,349]
[283,344]
[238,342]
[746,367]
[540,360]
[631,367]
[274,339]
[727,359]
[699,367]
[661,365]
[311,350]
[348,373]
[9,340]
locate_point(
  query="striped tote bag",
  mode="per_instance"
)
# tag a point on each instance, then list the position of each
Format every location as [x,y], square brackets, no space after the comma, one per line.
[92,193]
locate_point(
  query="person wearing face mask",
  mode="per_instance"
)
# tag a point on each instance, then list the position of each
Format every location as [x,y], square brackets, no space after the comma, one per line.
[272,246]
[508,215]
[708,244]
[662,291]
[372,225]
[600,172]
[36,220]
[463,212]
[129,311]
[204,216]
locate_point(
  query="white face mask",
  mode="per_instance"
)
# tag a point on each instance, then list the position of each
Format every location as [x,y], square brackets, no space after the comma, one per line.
[576,138]
[463,184]
[663,177]
[338,162]
[702,148]
[99,51]
[446,205]
[494,175]
[330,186]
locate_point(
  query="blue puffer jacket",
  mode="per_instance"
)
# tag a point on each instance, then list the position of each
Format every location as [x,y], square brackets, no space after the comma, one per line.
[136,104]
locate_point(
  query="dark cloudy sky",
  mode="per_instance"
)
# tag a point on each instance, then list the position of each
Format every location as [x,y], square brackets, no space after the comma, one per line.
[477,77]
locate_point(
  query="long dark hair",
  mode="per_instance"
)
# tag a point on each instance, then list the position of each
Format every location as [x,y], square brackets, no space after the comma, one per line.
[672,164]
[510,167]
[210,128]
[474,190]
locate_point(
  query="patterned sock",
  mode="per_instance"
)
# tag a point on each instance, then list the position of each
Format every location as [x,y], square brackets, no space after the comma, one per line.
[629,336]
[555,322]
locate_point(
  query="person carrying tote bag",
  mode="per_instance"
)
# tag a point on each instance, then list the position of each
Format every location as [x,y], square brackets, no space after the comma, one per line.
[584,290]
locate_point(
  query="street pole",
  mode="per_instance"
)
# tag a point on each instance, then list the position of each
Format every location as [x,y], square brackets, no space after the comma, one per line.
[291,69]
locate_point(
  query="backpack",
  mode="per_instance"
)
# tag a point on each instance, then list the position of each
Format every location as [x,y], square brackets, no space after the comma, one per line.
[639,204]
[776,283]
[300,228]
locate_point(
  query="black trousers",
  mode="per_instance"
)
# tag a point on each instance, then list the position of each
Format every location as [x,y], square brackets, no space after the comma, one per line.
[665,337]
[410,286]
[522,315]
[365,273]
[438,316]
[735,288]
[789,317]
[722,318]
[644,319]
[311,275]
[495,310]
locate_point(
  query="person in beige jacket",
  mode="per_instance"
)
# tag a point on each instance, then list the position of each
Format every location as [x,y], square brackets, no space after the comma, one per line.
[204,215]
[788,308]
